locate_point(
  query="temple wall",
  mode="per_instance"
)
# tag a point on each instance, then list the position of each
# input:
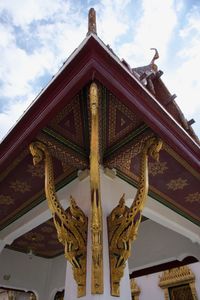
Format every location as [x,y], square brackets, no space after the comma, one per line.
[24,273]
[149,284]
[56,279]
[165,244]
[46,276]
[43,276]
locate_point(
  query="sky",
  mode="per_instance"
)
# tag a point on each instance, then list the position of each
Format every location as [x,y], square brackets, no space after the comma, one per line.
[37,36]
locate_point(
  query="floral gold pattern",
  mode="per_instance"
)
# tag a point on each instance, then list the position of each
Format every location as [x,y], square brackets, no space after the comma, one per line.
[20,186]
[36,172]
[6,200]
[157,167]
[177,184]
[194,197]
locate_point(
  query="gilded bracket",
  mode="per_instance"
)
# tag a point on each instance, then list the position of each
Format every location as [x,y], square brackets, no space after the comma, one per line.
[71,225]
[96,219]
[135,290]
[123,222]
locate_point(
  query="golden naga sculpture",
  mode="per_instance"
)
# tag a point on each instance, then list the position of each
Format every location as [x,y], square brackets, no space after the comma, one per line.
[71,225]
[123,222]
[96,220]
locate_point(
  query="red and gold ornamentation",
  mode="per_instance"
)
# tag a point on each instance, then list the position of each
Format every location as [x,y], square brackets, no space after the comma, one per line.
[157,167]
[20,186]
[36,172]
[193,197]
[6,200]
[177,184]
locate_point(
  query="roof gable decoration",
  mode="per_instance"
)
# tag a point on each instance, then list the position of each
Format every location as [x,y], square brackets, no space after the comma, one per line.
[135,97]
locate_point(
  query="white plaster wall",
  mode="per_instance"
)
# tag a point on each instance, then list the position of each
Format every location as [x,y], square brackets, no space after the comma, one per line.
[149,284]
[25,273]
[149,287]
[157,244]
[56,277]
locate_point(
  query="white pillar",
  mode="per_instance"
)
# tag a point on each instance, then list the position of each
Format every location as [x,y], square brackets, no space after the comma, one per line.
[109,199]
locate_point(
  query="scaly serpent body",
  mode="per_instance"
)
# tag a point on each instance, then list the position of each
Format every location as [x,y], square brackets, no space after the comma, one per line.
[71,225]
[123,222]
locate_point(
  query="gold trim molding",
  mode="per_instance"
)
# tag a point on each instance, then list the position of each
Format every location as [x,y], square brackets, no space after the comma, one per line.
[178,276]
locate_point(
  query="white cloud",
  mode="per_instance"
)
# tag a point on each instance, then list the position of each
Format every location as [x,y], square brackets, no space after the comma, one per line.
[22,13]
[51,42]
[113,20]
[184,80]
[154,30]
[12,113]
[52,29]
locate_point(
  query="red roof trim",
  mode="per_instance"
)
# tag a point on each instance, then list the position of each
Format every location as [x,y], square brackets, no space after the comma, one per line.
[95,60]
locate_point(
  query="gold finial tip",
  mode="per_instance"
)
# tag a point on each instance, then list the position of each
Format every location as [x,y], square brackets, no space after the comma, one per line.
[92,28]
[156,56]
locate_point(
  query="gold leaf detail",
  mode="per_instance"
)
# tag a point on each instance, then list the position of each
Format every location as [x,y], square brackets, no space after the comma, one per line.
[194,197]
[157,167]
[135,290]
[6,200]
[36,172]
[177,184]
[175,276]
[20,186]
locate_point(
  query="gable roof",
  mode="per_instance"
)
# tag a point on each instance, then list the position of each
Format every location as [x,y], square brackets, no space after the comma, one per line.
[136,96]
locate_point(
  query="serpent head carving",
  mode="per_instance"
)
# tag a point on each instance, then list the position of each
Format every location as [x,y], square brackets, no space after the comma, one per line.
[36,151]
[154,146]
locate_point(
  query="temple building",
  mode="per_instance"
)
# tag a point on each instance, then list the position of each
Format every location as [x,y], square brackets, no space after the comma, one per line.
[99,186]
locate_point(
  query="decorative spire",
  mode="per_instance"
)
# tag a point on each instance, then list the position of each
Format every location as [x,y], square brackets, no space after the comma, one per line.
[92,28]
[156,56]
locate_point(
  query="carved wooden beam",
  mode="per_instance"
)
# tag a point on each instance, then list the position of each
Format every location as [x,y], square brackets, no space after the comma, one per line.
[96,220]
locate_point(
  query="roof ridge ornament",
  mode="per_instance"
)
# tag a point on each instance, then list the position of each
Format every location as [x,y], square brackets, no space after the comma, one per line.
[92,27]
[156,56]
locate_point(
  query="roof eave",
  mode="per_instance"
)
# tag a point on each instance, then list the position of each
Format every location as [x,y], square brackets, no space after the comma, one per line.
[92,59]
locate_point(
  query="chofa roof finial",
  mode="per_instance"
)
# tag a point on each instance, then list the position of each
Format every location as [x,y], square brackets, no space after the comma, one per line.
[92,28]
[156,56]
